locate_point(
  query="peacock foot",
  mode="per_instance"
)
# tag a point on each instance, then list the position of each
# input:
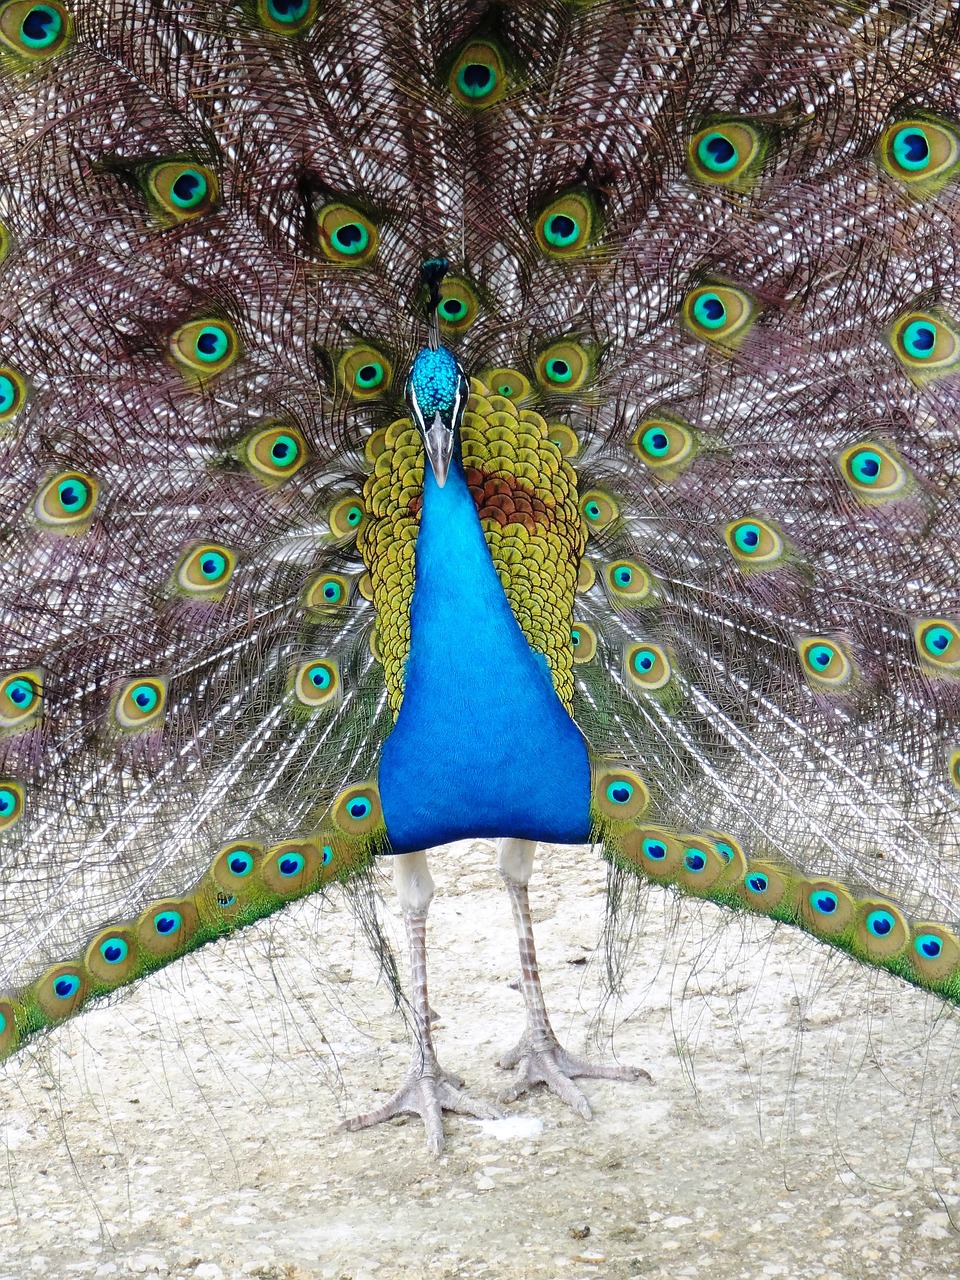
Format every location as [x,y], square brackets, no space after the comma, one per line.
[550,1064]
[427,1091]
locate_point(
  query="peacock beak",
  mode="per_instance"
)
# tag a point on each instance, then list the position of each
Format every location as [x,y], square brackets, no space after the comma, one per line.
[438,443]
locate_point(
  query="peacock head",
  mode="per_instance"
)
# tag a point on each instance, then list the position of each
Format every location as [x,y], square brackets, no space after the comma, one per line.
[437,387]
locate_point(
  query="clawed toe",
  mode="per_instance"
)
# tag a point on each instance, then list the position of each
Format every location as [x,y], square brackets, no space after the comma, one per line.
[552,1065]
[427,1093]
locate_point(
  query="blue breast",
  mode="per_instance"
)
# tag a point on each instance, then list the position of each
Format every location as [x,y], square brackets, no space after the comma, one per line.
[482,745]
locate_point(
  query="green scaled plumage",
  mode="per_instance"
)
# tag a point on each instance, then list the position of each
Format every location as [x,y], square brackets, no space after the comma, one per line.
[714,312]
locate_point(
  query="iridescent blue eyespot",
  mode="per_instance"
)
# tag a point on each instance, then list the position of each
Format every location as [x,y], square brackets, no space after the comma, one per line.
[880,923]
[919,339]
[655,442]
[114,950]
[66,986]
[928,946]
[694,860]
[717,153]
[291,864]
[709,311]
[654,849]
[240,862]
[757,882]
[620,792]
[724,849]
[824,902]
[167,923]
[326,855]
[359,808]
[911,149]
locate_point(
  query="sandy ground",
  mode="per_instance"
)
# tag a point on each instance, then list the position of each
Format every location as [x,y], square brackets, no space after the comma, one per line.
[804,1119]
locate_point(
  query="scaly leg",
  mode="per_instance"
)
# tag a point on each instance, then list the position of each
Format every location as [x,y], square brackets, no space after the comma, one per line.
[427,1090]
[539,1057]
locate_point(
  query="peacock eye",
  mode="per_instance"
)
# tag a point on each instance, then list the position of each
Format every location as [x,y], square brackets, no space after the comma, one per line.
[755,544]
[204,348]
[719,314]
[357,810]
[927,344]
[316,683]
[565,438]
[583,640]
[182,190]
[647,666]
[140,704]
[563,366]
[509,383]
[458,307]
[34,31]
[21,699]
[824,663]
[205,570]
[620,794]
[872,472]
[13,392]
[728,153]
[66,503]
[347,237]
[567,225]
[291,869]
[168,927]
[922,154]
[478,78]
[666,445]
[938,644]
[346,517]
[286,17]
[364,372]
[11,803]
[628,582]
[599,510]
[274,452]
[327,594]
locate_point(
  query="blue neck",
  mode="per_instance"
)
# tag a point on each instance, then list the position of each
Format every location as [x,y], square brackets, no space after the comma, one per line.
[482,745]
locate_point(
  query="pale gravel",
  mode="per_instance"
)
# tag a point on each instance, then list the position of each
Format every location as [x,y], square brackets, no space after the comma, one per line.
[802,1123]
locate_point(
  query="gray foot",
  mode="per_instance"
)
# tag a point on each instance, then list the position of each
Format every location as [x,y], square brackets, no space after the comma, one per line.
[427,1093]
[553,1066]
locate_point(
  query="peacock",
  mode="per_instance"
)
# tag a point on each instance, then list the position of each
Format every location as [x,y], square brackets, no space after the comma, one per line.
[534,421]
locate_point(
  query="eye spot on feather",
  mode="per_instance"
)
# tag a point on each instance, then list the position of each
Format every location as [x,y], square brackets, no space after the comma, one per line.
[346,517]
[9,1036]
[34,31]
[666,445]
[327,595]
[11,803]
[347,237]
[21,699]
[509,383]
[291,868]
[563,367]
[755,544]
[274,452]
[204,571]
[719,314]
[648,666]
[13,393]
[111,957]
[181,190]
[61,991]
[873,472]
[599,509]
[66,503]
[478,78]
[140,704]
[364,372]
[628,583]
[566,226]
[620,794]
[938,645]
[357,810]
[286,17]
[583,639]
[459,306]
[922,153]
[317,683]
[204,348]
[726,153]
[927,344]
[824,663]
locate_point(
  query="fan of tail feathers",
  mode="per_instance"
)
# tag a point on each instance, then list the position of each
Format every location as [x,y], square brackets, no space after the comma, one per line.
[704,280]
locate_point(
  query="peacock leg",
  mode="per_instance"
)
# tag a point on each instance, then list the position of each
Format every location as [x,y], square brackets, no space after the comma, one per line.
[427,1090]
[539,1057]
